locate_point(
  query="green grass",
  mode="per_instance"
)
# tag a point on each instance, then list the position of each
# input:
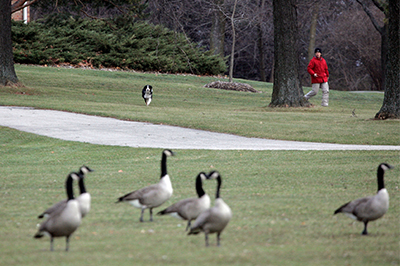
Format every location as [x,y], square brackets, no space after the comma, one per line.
[182,100]
[282,201]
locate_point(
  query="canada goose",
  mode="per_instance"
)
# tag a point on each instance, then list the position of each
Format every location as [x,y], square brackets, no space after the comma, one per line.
[152,196]
[83,198]
[369,208]
[189,209]
[147,94]
[64,221]
[215,219]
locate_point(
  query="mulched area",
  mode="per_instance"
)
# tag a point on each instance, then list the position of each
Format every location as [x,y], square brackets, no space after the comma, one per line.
[234,86]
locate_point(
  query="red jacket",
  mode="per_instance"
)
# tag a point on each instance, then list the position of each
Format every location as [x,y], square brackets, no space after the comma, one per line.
[320,67]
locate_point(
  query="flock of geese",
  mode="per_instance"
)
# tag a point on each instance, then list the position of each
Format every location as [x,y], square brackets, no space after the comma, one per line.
[64,217]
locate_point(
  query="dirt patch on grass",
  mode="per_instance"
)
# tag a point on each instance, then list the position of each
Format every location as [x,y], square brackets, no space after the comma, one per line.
[233,86]
[19,90]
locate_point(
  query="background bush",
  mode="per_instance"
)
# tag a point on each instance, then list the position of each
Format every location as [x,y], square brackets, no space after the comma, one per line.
[119,42]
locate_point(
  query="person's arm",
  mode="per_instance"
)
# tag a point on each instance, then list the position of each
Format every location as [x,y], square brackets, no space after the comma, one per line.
[310,68]
[326,70]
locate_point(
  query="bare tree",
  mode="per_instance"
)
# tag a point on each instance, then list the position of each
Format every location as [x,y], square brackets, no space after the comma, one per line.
[355,57]
[313,29]
[382,29]
[348,43]
[7,71]
[253,39]
[287,91]
[217,32]
[233,42]
[260,42]
[391,102]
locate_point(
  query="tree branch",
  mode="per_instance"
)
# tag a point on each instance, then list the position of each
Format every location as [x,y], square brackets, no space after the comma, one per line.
[379,5]
[21,4]
[371,17]
[116,6]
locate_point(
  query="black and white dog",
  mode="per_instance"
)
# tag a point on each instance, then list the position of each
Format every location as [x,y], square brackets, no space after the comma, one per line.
[147,94]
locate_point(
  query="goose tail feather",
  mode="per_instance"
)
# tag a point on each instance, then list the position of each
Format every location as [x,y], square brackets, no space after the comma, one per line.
[163,212]
[38,235]
[340,209]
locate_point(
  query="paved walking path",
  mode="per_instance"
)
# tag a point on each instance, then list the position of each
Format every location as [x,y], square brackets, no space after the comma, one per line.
[110,131]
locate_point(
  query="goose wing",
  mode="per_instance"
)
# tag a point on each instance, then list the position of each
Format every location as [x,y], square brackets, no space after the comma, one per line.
[141,194]
[203,219]
[181,207]
[354,207]
[57,206]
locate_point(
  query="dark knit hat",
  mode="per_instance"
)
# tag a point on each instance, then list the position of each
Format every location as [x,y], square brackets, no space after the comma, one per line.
[318,50]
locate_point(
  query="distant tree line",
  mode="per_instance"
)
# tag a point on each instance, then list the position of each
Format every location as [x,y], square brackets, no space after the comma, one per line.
[348,39]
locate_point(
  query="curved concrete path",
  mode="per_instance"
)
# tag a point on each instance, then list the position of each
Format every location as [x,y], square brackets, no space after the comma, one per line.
[110,131]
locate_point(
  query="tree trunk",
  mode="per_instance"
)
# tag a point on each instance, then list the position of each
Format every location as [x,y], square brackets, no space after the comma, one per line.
[217,35]
[233,43]
[271,79]
[391,102]
[7,71]
[313,30]
[384,56]
[263,77]
[287,91]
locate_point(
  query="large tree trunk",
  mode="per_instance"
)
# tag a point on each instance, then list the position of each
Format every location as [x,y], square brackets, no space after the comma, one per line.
[7,71]
[391,102]
[287,90]
[217,35]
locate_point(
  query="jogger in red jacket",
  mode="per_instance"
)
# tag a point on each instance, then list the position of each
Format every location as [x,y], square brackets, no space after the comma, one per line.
[318,69]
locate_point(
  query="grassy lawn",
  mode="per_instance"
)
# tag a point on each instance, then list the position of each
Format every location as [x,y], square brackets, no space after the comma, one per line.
[282,201]
[182,100]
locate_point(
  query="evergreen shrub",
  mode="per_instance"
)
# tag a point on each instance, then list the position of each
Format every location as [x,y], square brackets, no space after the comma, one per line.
[119,42]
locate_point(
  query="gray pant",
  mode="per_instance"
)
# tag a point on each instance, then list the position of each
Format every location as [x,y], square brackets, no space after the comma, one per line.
[325,92]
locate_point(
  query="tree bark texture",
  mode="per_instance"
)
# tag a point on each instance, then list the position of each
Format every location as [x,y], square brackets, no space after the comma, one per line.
[7,71]
[287,91]
[391,102]
[217,34]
